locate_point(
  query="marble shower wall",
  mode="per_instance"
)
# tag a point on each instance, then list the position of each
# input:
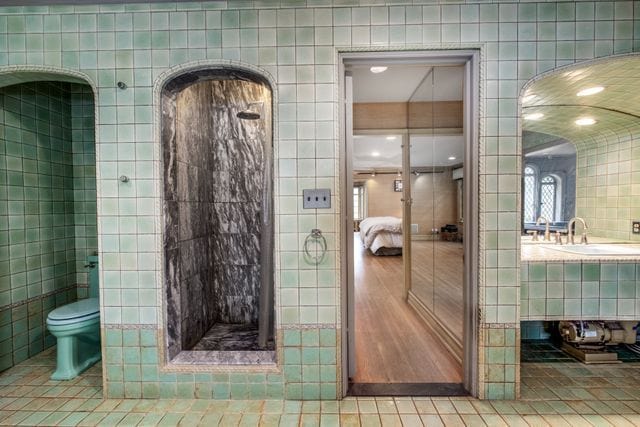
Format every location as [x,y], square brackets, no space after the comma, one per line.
[214,188]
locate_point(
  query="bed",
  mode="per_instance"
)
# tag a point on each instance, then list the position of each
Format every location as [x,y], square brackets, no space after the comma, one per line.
[382,235]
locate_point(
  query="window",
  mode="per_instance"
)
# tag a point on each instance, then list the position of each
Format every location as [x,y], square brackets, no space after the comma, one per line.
[358,202]
[541,197]
[529,194]
[548,187]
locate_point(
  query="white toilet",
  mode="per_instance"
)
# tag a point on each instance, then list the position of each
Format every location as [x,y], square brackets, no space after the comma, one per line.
[76,327]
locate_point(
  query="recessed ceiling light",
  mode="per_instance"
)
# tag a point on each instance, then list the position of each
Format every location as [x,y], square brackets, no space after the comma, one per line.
[585,121]
[574,73]
[375,154]
[377,70]
[533,116]
[452,157]
[528,98]
[391,138]
[590,91]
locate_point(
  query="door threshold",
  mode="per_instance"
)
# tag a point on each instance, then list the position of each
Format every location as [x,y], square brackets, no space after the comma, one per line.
[407,389]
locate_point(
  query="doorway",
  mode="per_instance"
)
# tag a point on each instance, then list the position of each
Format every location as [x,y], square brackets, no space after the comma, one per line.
[408,159]
[48,199]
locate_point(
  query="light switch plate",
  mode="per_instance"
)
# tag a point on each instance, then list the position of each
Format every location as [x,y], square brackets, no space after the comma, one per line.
[635,227]
[317,198]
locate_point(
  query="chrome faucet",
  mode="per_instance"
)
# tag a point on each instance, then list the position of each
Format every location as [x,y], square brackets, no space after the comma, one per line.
[547,234]
[571,232]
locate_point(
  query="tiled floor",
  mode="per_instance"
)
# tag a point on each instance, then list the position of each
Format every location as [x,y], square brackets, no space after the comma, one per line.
[548,351]
[553,394]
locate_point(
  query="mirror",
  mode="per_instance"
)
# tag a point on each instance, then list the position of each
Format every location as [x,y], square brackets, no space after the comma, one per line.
[593,110]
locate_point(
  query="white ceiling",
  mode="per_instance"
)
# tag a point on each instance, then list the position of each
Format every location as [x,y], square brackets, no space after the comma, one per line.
[426,151]
[615,109]
[400,81]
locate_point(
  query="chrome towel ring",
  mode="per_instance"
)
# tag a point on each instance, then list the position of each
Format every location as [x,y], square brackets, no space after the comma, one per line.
[315,237]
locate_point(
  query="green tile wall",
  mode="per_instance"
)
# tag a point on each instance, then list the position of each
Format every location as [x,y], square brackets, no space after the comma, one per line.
[580,290]
[296,44]
[501,361]
[46,218]
[84,180]
[608,184]
[132,369]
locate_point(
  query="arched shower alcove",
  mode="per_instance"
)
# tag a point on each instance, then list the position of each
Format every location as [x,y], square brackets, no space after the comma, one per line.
[218,231]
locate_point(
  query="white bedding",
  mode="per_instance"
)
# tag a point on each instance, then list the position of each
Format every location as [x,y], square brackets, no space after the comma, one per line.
[381,232]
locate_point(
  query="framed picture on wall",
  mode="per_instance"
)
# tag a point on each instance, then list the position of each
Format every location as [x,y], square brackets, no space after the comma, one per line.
[397,185]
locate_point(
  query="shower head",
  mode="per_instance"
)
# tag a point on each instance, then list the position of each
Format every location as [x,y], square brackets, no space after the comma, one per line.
[248,115]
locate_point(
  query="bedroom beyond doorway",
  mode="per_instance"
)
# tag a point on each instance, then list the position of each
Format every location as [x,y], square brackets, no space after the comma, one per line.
[405,158]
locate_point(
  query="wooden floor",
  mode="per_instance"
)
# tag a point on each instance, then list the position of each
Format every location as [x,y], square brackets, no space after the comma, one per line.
[393,345]
[436,279]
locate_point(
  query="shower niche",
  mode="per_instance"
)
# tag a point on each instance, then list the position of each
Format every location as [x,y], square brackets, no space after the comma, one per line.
[218,231]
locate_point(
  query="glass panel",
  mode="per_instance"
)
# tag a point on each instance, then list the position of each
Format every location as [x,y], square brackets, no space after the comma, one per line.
[422,222]
[436,162]
[447,178]
[421,151]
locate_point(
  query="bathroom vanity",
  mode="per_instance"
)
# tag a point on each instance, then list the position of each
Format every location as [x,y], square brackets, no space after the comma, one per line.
[574,282]
[567,181]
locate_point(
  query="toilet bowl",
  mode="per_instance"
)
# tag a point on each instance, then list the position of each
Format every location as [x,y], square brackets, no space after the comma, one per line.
[76,327]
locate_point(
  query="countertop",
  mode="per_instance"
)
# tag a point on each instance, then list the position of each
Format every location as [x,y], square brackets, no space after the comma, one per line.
[543,251]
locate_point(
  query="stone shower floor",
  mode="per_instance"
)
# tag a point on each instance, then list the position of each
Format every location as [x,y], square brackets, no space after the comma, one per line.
[231,337]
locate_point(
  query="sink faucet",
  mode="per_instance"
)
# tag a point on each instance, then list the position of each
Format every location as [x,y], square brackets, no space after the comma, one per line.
[571,232]
[547,234]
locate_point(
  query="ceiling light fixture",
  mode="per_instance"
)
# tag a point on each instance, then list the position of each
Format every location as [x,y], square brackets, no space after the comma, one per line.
[378,70]
[416,173]
[590,91]
[533,116]
[375,154]
[452,157]
[585,121]
[391,138]
[574,73]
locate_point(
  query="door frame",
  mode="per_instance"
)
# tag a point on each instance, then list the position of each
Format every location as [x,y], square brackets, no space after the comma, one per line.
[471,96]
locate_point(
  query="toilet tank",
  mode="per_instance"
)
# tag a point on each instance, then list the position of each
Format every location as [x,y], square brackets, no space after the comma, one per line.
[93,276]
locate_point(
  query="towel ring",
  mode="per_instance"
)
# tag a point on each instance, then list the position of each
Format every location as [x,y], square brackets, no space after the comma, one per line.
[317,238]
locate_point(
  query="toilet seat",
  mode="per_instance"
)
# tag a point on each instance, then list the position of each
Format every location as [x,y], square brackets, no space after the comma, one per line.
[79,311]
